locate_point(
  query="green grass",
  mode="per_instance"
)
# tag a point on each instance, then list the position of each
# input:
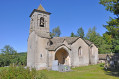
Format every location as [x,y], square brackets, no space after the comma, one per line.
[2,68]
[86,72]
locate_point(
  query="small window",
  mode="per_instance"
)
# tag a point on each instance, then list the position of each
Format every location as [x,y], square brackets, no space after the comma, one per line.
[41,55]
[50,43]
[79,51]
[42,22]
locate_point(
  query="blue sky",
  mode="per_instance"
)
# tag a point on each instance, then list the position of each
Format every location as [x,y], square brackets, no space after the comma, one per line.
[68,14]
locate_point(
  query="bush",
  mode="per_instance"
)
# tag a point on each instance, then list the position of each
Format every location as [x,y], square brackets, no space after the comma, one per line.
[14,72]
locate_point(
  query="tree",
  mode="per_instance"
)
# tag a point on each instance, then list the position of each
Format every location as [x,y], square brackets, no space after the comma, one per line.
[112,33]
[98,40]
[73,35]
[103,47]
[8,50]
[4,60]
[92,35]
[111,5]
[10,56]
[56,32]
[80,32]
[22,58]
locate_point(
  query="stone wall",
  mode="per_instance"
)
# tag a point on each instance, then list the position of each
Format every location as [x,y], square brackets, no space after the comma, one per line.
[93,54]
[32,44]
[83,59]
[41,53]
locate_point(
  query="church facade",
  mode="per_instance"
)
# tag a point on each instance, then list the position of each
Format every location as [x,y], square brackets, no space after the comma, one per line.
[43,50]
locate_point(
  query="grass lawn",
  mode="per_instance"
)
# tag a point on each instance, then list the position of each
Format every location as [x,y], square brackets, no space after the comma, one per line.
[86,72]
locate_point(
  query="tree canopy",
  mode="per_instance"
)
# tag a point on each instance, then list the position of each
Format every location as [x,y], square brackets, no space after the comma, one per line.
[80,32]
[98,40]
[8,50]
[72,35]
[10,56]
[56,32]
[112,33]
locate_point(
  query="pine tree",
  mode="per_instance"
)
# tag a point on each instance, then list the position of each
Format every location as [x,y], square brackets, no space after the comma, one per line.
[80,32]
[112,33]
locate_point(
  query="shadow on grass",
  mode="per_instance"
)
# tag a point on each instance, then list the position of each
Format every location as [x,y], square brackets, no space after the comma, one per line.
[112,65]
[112,72]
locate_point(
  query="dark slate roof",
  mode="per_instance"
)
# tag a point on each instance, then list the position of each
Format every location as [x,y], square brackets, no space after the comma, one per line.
[88,42]
[58,41]
[35,10]
[69,40]
[54,46]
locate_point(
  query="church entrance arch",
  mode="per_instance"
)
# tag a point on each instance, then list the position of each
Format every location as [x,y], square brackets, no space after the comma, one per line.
[62,56]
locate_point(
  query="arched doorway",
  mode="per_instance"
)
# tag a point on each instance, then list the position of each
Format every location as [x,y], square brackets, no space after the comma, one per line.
[62,56]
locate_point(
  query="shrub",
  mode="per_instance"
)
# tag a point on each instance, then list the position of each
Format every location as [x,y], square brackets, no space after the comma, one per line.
[14,72]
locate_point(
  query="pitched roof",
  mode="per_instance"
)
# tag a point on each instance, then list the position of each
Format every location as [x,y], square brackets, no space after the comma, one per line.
[102,56]
[41,8]
[69,40]
[88,42]
[112,56]
[58,41]
[54,46]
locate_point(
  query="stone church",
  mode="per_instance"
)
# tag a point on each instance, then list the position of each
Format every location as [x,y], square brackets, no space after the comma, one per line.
[43,49]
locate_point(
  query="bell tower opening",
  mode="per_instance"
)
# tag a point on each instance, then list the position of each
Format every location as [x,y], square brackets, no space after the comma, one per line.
[41,22]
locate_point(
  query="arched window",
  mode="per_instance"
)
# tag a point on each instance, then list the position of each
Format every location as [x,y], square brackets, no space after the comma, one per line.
[80,51]
[42,22]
